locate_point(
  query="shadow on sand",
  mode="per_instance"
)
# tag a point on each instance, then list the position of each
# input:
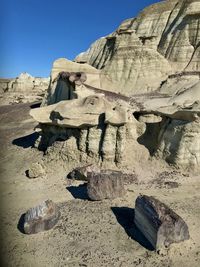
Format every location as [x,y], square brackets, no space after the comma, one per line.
[125,217]
[79,192]
[26,141]
[20,225]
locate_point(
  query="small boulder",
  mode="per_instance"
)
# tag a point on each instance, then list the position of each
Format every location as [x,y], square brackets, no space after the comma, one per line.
[41,218]
[81,173]
[36,170]
[105,185]
[158,223]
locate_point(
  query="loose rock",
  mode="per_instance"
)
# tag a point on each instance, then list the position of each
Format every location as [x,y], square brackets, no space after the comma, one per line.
[105,185]
[81,173]
[41,218]
[158,223]
[36,170]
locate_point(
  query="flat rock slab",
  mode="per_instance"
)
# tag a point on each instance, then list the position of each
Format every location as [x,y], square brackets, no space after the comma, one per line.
[158,223]
[105,185]
[41,218]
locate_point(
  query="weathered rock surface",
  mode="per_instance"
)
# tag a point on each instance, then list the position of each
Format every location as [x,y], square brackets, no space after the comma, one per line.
[158,223]
[22,89]
[36,170]
[155,59]
[41,218]
[105,185]
[179,143]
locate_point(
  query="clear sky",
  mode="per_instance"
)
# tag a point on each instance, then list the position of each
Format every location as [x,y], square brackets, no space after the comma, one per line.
[33,33]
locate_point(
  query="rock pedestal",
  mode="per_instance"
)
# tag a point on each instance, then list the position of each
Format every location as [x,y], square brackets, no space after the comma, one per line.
[158,223]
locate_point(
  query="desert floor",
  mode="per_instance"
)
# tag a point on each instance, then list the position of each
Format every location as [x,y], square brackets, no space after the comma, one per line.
[88,233]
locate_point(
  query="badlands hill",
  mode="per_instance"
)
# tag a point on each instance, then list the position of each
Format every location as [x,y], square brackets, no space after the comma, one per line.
[151,51]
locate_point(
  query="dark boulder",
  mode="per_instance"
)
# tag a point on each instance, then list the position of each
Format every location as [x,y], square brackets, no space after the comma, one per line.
[105,185]
[41,218]
[158,223]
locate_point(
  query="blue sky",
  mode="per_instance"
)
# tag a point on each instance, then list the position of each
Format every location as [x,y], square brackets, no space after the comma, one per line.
[33,33]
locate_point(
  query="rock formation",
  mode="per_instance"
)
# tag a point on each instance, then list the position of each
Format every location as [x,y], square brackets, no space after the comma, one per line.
[144,51]
[140,86]
[91,129]
[24,88]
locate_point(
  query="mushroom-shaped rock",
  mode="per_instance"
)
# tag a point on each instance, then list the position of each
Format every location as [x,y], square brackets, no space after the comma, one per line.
[105,185]
[41,218]
[158,223]
[78,113]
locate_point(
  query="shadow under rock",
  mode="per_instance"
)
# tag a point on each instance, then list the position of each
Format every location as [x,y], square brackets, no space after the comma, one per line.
[125,217]
[26,141]
[20,225]
[35,105]
[79,192]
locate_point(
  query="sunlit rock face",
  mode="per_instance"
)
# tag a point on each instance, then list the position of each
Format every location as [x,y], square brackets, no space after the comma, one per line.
[179,144]
[181,38]
[144,51]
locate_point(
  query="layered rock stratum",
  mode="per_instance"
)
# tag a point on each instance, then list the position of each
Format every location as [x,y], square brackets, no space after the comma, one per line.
[144,52]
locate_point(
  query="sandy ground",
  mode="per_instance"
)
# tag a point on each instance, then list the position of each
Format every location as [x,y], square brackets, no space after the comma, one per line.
[91,234]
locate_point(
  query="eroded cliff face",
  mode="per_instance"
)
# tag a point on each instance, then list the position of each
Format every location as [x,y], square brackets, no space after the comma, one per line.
[144,51]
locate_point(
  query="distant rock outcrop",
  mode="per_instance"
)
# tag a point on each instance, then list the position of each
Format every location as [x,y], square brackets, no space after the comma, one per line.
[24,88]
